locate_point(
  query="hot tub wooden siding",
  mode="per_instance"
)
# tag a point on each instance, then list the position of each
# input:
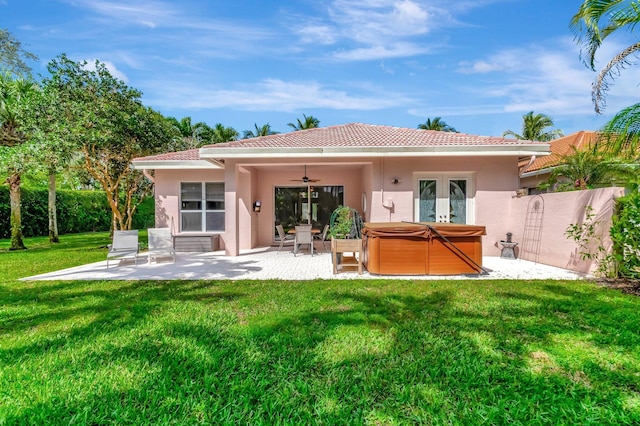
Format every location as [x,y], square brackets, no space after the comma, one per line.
[398,248]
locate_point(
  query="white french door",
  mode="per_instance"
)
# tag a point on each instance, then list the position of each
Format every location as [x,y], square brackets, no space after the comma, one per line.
[444,198]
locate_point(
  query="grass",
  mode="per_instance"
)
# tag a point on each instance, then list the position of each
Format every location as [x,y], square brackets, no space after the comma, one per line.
[318,352]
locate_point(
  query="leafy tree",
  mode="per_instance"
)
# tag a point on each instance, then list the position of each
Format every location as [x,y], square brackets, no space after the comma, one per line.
[309,122]
[264,130]
[587,169]
[110,125]
[436,124]
[191,135]
[15,95]
[221,133]
[13,56]
[534,128]
[55,145]
[593,23]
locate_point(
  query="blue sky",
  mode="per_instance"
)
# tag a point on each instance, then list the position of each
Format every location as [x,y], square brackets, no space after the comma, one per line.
[478,64]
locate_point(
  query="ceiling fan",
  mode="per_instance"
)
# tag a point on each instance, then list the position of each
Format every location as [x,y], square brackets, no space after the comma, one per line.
[305,178]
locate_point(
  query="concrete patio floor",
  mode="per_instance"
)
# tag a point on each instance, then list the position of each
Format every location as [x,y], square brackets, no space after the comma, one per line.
[269,264]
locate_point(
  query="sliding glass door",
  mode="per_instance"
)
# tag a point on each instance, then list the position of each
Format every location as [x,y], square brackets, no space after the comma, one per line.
[306,204]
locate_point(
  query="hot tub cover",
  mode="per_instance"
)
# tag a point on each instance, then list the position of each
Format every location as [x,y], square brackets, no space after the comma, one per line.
[422,229]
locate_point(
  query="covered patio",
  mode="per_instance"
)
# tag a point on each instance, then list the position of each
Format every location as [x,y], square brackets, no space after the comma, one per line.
[267,263]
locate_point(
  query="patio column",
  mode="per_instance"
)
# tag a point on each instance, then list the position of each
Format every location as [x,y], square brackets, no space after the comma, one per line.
[231,222]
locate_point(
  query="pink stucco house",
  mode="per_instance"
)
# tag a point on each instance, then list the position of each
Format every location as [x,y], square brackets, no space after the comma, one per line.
[389,174]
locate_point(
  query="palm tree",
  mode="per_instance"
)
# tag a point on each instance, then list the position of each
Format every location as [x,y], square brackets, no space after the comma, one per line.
[533,128]
[264,130]
[594,22]
[620,137]
[436,124]
[14,95]
[586,169]
[309,122]
[193,135]
[223,134]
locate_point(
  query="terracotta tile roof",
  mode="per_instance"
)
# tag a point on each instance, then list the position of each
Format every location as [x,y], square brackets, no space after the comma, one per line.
[348,136]
[189,155]
[560,147]
[365,135]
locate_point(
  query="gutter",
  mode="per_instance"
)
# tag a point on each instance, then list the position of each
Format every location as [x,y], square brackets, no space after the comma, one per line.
[375,151]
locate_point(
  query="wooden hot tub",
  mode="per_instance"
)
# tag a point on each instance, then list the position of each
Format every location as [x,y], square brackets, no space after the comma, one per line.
[399,248]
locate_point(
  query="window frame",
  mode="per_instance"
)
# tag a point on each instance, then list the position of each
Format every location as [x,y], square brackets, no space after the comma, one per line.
[203,206]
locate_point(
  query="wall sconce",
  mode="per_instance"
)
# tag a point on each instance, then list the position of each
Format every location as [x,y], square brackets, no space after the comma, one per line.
[256,206]
[395,181]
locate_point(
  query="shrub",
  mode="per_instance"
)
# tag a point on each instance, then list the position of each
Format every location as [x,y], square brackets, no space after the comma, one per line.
[625,234]
[77,211]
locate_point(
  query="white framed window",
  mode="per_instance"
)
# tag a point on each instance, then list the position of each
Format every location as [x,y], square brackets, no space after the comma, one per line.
[201,206]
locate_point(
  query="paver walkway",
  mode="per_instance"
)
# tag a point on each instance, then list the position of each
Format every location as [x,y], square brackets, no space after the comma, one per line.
[267,263]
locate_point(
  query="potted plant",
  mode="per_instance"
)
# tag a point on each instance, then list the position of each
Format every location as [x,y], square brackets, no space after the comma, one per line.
[345,238]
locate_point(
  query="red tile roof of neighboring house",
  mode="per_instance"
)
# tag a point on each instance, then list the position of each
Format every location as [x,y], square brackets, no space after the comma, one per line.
[559,148]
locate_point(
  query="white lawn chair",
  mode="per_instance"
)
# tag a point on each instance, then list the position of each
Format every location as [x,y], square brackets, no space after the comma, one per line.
[125,245]
[160,243]
[284,238]
[303,236]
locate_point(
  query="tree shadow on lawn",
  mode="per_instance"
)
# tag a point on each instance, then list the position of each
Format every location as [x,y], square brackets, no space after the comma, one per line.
[106,306]
[367,354]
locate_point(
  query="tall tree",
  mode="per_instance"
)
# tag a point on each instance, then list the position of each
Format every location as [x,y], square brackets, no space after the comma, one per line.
[223,134]
[15,95]
[264,130]
[436,124]
[593,23]
[56,149]
[534,128]
[13,56]
[111,126]
[309,122]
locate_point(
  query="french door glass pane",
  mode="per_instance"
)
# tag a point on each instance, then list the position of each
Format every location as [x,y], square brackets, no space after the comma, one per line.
[428,194]
[458,201]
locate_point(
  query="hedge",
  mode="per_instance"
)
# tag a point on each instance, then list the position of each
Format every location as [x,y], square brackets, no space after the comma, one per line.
[77,211]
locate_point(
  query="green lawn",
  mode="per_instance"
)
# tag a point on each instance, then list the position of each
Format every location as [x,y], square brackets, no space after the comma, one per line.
[319,352]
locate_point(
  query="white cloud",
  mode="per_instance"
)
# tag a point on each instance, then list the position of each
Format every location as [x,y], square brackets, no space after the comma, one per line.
[373,29]
[398,50]
[147,13]
[275,95]
[547,79]
[115,72]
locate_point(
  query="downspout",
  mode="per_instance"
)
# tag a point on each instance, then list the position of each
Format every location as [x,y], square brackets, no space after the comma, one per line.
[387,204]
[524,169]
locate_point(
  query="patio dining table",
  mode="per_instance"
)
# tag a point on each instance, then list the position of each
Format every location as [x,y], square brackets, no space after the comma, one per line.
[314,231]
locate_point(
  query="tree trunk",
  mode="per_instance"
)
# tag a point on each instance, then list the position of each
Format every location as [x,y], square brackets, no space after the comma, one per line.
[53,219]
[16,217]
